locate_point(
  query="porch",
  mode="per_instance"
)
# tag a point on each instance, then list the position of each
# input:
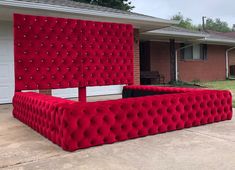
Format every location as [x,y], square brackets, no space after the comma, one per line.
[180,54]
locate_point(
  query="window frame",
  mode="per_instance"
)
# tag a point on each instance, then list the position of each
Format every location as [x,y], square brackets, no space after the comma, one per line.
[202,52]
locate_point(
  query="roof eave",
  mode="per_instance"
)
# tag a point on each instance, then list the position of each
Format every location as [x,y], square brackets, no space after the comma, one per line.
[173,34]
[152,22]
[218,41]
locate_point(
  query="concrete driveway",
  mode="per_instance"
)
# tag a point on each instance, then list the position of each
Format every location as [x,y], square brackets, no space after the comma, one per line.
[205,147]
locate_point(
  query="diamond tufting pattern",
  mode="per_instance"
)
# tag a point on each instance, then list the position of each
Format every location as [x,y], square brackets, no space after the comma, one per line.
[39,112]
[52,53]
[76,125]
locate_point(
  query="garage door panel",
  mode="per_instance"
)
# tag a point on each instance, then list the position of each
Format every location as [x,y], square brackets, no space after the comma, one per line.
[4,73]
[6,91]
[7,82]
[6,30]
[6,50]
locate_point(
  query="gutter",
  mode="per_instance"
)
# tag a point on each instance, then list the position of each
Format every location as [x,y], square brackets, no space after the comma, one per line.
[82,11]
[176,34]
[216,40]
[227,60]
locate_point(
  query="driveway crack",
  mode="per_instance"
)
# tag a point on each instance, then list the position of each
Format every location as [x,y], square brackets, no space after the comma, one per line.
[26,162]
[206,134]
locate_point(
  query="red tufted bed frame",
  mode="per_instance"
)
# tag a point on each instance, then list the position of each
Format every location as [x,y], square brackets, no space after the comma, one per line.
[53,53]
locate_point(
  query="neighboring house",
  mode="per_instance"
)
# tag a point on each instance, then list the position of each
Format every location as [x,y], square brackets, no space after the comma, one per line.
[226,34]
[201,56]
[69,9]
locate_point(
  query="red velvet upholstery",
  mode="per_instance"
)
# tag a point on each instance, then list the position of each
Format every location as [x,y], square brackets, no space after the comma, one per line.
[80,125]
[162,89]
[39,112]
[53,53]
[138,90]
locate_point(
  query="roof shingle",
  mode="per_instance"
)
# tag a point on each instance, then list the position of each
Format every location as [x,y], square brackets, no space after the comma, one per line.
[74,4]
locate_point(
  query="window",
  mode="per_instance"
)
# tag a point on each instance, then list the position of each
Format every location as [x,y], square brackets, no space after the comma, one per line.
[194,52]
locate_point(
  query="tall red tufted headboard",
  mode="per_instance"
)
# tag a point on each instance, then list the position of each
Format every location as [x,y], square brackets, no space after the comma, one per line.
[52,53]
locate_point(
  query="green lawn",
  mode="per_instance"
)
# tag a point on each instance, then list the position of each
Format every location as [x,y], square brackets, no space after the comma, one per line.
[221,85]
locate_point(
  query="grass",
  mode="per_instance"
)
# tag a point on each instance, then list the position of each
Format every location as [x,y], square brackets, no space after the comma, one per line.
[221,85]
[181,84]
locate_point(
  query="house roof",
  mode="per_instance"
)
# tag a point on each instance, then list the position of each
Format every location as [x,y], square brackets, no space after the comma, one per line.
[226,34]
[229,34]
[185,34]
[74,4]
[217,38]
[84,11]
[175,32]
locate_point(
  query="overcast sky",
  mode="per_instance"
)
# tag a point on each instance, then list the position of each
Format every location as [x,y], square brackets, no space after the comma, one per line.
[194,9]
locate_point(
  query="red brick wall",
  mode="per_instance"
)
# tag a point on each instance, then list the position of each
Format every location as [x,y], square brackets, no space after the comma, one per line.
[208,70]
[232,57]
[211,69]
[136,58]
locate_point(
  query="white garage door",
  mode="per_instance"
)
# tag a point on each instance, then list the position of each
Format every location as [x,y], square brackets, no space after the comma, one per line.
[6,62]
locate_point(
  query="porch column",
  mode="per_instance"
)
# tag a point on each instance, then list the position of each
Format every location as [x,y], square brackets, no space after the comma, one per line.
[136,57]
[173,62]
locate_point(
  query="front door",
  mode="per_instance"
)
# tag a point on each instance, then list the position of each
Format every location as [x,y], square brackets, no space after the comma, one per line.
[145,60]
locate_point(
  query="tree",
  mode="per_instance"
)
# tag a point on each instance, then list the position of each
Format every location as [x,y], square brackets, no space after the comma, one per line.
[214,25]
[184,22]
[217,25]
[116,4]
[211,24]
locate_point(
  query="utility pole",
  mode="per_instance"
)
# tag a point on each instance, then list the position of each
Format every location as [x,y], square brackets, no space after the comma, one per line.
[203,23]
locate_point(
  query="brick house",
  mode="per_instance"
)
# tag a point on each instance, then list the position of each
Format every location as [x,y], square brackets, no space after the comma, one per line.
[66,9]
[201,56]
[232,52]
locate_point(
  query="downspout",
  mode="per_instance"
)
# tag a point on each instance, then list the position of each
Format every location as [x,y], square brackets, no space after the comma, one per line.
[227,61]
[176,59]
